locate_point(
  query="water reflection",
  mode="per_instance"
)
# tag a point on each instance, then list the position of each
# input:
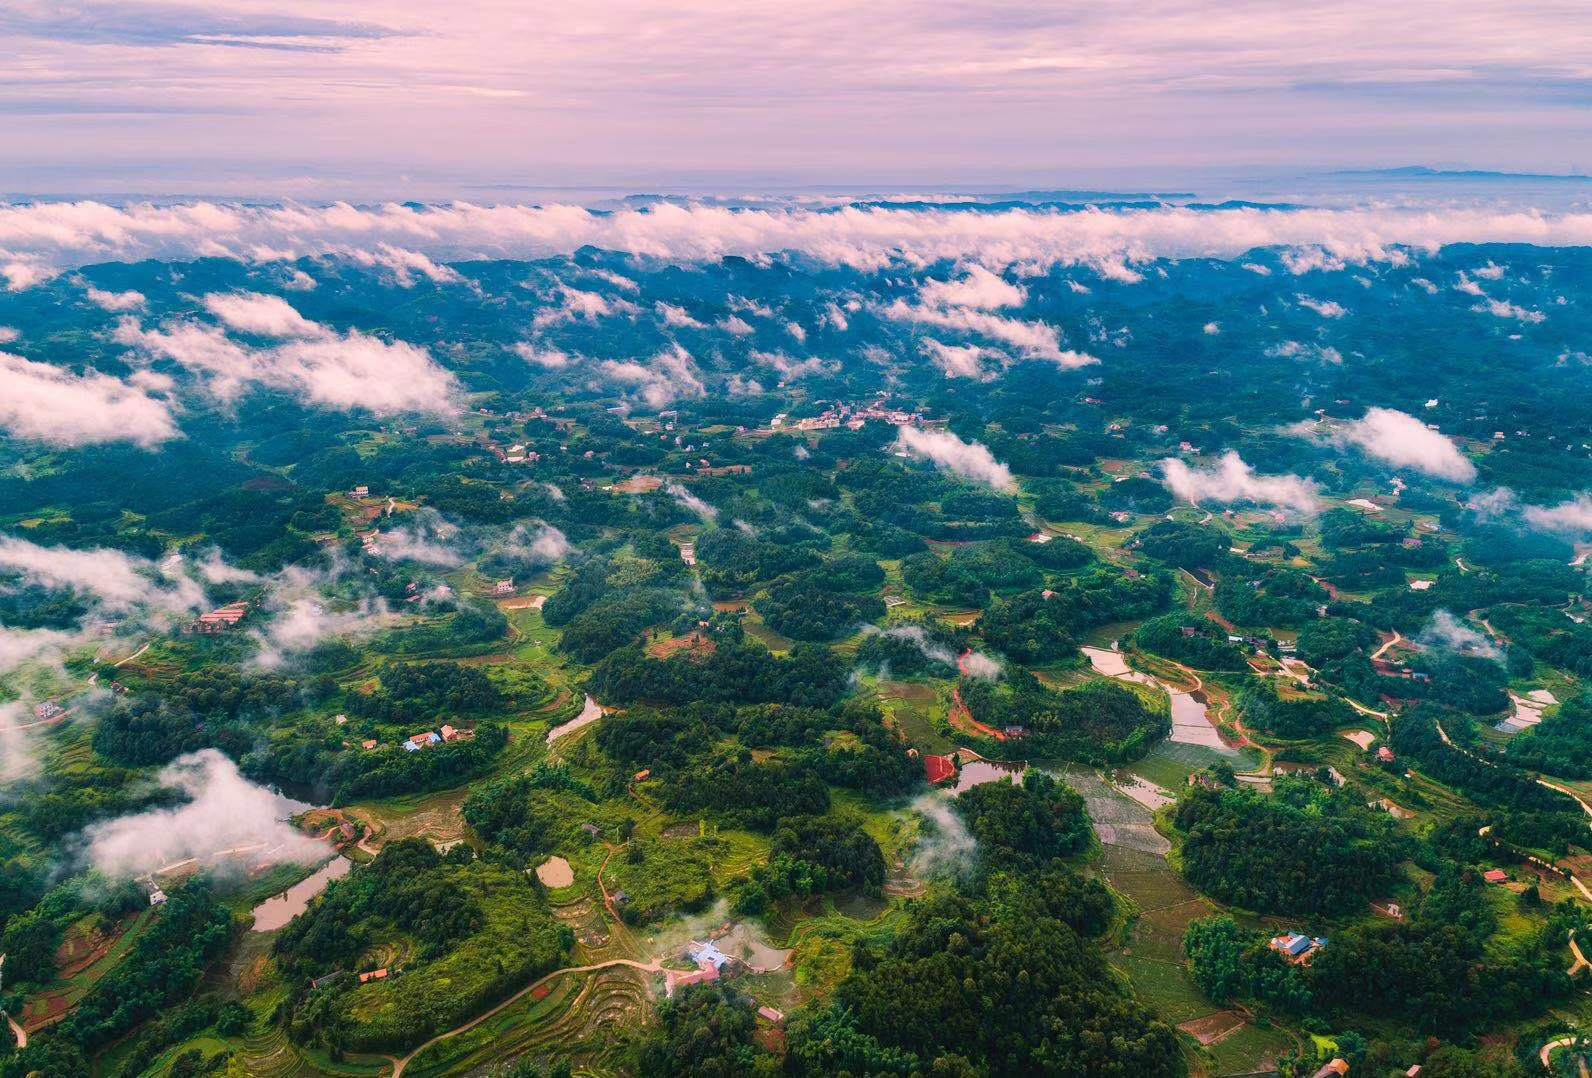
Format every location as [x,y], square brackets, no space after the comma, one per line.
[278,910]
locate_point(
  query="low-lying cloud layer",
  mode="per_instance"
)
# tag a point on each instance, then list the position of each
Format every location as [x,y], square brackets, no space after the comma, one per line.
[1573,517]
[347,371]
[1405,442]
[967,459]
[40,239]
[41,403]
[225,814]
[1232,480]
[670,376]
[1447,633]
[119,581]
[945,846]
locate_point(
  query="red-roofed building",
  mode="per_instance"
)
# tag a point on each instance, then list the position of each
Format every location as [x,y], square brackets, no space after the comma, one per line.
[1495,875]
[938,768]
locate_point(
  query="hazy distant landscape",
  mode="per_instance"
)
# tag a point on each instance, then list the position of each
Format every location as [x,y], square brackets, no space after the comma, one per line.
[877,636]
[704,540]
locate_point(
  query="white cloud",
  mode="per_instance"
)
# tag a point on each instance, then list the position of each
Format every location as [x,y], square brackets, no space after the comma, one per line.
[1405,442]
[42,403]
[1501,309]
[406,266]
[670,376]
[118,580]
[298,624]
[224,812]
[789,368]
[260,315]
[543,543]
[946,848]
[677,317]
[918,638]
[9,334]
[1232,480]
[979,288]
[691,502]
[979,665]
[957,360]
[1573,516]
[968,459]
[430,540]
[1032,340]
[576,305]
[1325,308]
[39,237]
[20,646]
[215,569]
[1447,633]
[735,325]
[537,355]
[347,371]
[19,758]
[1211,329]
[298,281]
[113,301]
[1493,504]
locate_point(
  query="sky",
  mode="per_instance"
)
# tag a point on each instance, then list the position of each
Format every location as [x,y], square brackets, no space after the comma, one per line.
[305,98]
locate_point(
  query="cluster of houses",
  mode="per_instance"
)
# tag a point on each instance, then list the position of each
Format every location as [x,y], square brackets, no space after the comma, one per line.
[363,978]
[711,965]
[222,619]
[844,415]
[518,454]
[1389,669]
[1259,643]
[48,710]
[432,737]
[1297,949]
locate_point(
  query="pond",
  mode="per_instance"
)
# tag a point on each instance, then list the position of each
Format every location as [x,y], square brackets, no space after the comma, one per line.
[1112,663]
[278,910]
[1191,722]
[1191,725]
[977,772]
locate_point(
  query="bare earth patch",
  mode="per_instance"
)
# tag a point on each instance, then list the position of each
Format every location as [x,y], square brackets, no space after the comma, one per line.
[555,873]
[1212,1028]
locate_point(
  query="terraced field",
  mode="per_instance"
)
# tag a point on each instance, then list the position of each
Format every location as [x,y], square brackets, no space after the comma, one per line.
[588,1017]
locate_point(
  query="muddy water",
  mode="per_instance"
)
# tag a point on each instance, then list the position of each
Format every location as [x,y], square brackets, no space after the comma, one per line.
[1191,723]
[977,772]
[278,910]
[588,715]
[1112,663]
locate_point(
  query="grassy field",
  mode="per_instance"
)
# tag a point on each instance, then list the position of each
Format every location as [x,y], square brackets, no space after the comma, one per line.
[919,712]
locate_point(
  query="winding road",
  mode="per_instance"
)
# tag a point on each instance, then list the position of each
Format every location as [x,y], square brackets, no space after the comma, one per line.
[1571,794]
